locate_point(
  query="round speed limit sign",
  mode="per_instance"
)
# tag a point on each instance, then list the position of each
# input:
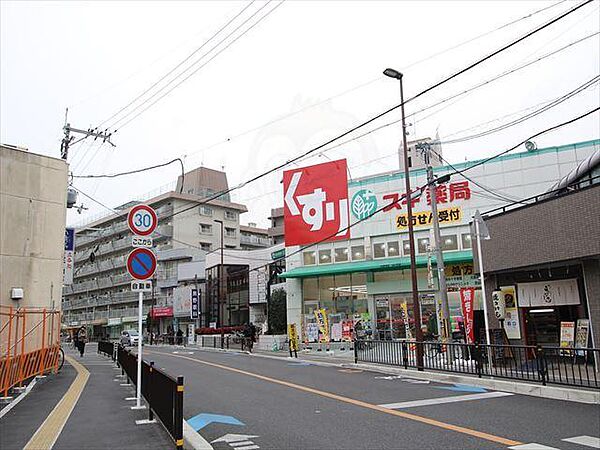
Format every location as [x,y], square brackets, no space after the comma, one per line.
[142,220]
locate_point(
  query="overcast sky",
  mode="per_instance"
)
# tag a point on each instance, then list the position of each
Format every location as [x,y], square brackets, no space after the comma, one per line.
[95,57]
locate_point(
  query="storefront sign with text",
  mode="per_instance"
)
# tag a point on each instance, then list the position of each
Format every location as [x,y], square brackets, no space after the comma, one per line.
[316,203]
[425,218]
[467,296]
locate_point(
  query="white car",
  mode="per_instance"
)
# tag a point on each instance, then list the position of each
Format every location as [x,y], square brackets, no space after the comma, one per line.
[130,338]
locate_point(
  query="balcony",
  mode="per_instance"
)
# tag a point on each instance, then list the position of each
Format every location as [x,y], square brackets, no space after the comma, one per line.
[164,211]
[164,231]
[276,231]
[121,279]
[255,241]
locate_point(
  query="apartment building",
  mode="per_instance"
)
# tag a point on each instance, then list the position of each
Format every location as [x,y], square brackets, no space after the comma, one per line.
[252,237]
[276,230]
[100,296]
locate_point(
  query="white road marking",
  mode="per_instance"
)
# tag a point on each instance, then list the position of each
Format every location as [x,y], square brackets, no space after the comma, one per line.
[452,399]
[588,441]
[248,447]
[241,443]
[532,446]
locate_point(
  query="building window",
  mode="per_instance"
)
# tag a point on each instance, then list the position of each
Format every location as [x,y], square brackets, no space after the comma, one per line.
[230,215]
[310,258]
[466,240]
[393,249]
[325,256]
[379,250]
[358,252]
[206,246]
[341,254]
[449,242]
[229,232]
[205,211]
[406,247]
[422,245]
[205,229]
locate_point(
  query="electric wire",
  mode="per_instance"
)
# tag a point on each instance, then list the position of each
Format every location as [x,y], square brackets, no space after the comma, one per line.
[140,112]
[393,108]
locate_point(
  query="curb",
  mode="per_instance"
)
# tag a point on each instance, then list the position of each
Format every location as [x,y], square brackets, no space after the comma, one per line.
[194,440]
[516,387]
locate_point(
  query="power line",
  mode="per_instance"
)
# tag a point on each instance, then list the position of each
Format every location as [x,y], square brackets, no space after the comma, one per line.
[421,93]
[198,68]
[472,88]
[180,63]
[367,83]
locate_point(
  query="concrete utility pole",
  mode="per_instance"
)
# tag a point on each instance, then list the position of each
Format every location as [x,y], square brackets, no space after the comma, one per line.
[411,237]
[67,139]
[439,256]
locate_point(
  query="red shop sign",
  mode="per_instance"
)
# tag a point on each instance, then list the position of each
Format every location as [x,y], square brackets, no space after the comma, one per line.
[316,203]
[467,297]
[162,311]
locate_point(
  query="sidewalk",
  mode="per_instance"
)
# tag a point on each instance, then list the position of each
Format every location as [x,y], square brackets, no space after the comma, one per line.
[97,415]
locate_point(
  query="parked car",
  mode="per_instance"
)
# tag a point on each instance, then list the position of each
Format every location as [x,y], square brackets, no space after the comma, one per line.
[130,337]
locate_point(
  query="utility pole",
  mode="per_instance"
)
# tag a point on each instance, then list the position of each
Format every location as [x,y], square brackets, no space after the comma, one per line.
[411,237]
[439,255]
[67,139]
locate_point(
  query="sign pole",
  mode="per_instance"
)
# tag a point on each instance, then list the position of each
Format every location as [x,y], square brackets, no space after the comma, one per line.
[139,360]
[485,312]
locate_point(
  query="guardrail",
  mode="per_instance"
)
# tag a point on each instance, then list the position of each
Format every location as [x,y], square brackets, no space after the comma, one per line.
[163,393]
[579,367]
[108,348]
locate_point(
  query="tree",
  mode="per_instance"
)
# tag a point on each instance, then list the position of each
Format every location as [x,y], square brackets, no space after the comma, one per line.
[277,318]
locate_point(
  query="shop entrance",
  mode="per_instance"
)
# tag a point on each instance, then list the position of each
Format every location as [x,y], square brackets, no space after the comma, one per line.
[542,325]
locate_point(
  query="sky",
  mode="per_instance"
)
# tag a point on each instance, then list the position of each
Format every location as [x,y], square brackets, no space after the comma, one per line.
[307,72]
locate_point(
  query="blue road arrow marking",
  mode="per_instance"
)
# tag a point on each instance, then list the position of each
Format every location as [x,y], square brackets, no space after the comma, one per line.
[201,420]
[463,388]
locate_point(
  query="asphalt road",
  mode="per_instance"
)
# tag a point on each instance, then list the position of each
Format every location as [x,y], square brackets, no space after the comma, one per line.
[296,405]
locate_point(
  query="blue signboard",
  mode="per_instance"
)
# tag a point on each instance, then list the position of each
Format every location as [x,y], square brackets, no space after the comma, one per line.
[196,295]
[69,239]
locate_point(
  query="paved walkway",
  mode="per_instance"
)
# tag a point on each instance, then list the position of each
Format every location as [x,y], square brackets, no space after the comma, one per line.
[82,407]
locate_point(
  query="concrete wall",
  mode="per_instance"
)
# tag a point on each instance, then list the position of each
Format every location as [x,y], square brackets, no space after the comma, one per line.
[33,191]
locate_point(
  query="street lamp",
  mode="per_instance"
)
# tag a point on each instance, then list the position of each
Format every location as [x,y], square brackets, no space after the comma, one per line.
[392,73]
[221,276]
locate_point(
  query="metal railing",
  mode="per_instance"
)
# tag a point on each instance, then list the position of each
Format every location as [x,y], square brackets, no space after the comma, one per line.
[29,344]
[228,341]
[108,348]
[579,367]
[163,393]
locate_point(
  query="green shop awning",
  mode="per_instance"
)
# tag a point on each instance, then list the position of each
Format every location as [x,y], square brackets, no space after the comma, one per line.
[377,265]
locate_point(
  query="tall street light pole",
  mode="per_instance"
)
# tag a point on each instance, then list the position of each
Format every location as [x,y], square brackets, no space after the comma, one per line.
[221,276]
[411,237]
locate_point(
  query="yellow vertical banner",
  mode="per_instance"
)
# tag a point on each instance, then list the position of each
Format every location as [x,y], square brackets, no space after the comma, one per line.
[323,323]
[404,312]
[293,336]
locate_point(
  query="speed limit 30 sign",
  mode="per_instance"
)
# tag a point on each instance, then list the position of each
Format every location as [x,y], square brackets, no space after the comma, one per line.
[142,220]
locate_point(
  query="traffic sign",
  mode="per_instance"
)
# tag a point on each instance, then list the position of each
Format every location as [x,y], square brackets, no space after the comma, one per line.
[142,220]
[141,263]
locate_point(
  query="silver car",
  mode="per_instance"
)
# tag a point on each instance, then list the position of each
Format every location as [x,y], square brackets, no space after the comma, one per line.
[130,337]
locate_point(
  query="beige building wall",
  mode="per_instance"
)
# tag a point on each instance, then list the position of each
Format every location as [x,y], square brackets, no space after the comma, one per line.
[33,191]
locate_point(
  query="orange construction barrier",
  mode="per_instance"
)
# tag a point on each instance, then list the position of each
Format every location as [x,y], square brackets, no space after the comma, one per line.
[29,344]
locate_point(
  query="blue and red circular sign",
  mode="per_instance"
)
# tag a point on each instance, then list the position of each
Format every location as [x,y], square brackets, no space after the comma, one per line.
[142,220]
[141,263]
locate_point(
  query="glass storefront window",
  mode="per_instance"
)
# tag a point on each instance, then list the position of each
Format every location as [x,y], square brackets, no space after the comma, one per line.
[341,254]
[325,256]
[422,245]
[358,252]
[466,240]
[379,250]
[406,248]
[449,242]
[326,294]
[310,258]
[393,249]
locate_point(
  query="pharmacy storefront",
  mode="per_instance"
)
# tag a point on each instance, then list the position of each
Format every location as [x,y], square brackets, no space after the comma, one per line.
[348,270]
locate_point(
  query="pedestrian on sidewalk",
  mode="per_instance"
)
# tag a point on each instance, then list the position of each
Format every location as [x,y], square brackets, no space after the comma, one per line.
[81,340]
[179,337]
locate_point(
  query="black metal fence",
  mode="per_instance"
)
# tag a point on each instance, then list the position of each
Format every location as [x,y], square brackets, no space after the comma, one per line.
[566,366]
[108,348]
[163,393]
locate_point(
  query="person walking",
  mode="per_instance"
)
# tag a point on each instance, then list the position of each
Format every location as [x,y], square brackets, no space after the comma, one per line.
[179,337]
[81,340]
